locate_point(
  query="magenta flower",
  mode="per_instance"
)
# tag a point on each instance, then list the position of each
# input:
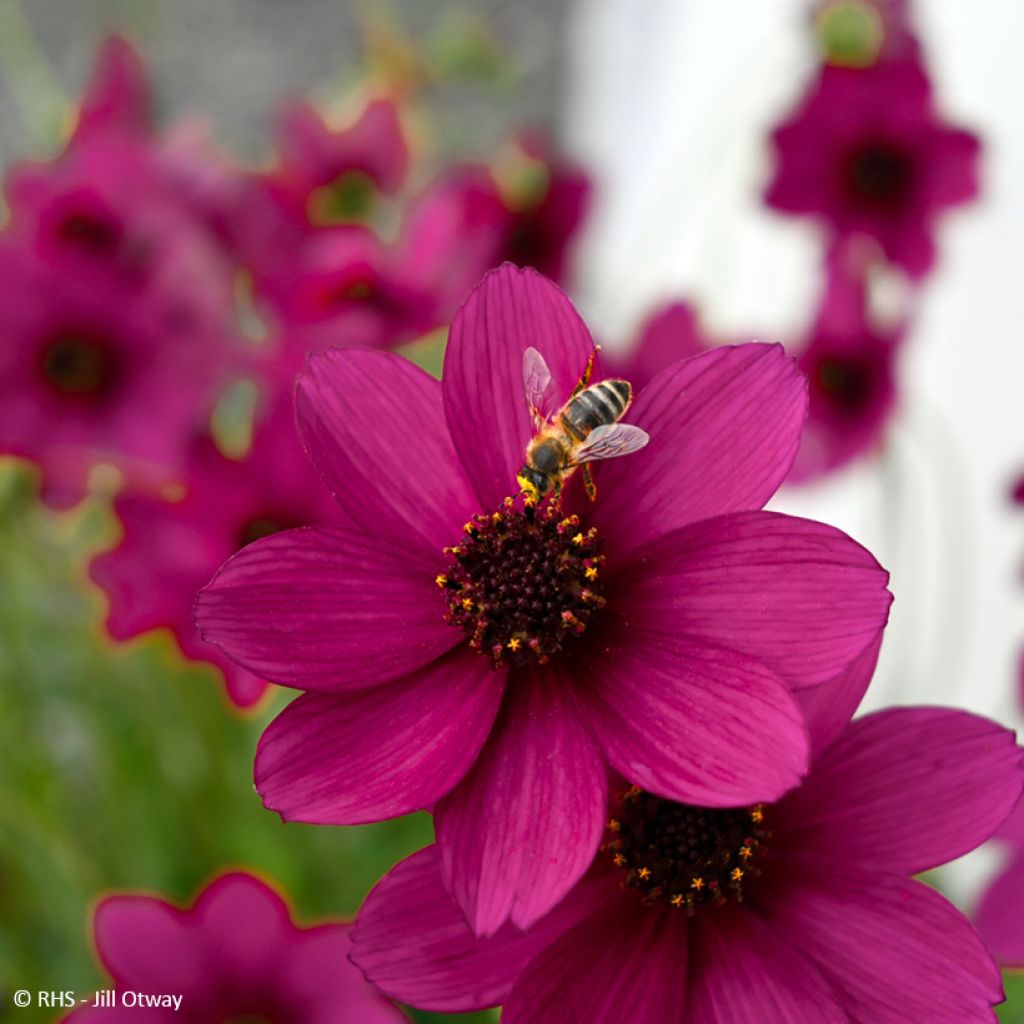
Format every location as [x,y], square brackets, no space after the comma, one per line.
[849,362]
[866,153]
[464,223]
[999,917]
[235,954]
[802,910]
[325,175]
[342,287]
[93,368]
[464,652]
[170,548]
[118,97]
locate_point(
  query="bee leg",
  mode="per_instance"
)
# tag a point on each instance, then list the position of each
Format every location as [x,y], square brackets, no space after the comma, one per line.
[588,483]
[588,372]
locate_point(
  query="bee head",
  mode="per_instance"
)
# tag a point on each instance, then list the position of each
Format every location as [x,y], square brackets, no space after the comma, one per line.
[534,484]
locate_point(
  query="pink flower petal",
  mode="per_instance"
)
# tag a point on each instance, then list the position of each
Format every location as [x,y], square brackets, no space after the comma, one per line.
[244,925]
[1012,829]
[799,596]
[508,312]
[374,427]
[379,753]
[148,945]
[118,96]
[829,707]
[999,917]
[625,962]
[694,723]
[894,949]
[320,978]
[325,608]
[741,970]
[411,941]
[725,428]
[907,789]
[524,825]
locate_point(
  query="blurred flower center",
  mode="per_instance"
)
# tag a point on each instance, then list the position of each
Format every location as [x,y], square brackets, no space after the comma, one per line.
[686,856]
[878,175]
[259,527]
[523,582]
[90,231]
[845,383]
[77,365]
[348,198]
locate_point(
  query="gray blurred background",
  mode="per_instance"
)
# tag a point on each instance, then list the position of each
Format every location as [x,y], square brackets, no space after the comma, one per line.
[235,60]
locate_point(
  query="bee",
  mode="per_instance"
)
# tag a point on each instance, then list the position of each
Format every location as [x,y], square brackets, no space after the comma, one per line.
[585,429]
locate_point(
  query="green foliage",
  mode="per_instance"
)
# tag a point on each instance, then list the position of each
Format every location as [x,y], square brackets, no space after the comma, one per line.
[1012,1011]
[123,767]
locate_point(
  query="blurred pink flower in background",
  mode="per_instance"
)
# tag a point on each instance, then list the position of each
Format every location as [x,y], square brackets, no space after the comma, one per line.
[670,333]
[866,153]
[507,722]
[804,910]
[850,365]
[235,954]
[1000,915]
[94,368]
[170,548]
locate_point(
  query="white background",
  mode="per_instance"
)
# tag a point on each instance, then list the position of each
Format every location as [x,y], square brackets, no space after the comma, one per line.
[671,102]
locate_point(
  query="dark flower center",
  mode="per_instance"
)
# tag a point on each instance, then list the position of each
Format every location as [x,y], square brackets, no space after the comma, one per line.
[76,365]
[91,231]
[259,527]
[349,197]
[845,383]
[523,582]
[686,856]
[878,175]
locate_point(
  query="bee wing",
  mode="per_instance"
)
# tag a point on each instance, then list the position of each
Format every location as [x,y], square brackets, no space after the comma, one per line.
[609,441]
[537,387]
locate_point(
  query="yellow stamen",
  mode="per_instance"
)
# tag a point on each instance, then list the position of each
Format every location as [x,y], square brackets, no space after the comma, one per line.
[620,860]
[736,874]
[677,900]
[698,884]
[578,539]
[644,873]
[745,852]
[591,572]
[440,580]
[514,644]
[614,824]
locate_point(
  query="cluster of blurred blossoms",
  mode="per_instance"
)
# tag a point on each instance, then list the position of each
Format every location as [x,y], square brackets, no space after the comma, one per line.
[630,712]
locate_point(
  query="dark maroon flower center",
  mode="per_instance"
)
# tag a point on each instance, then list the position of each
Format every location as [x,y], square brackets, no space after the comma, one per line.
[878,174]
[78,365]
[260,526]
[523,582]
[90,230]
[686,856]
[845,383]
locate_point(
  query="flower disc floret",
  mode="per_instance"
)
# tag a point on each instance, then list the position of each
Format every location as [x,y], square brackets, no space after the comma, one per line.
[686,856]
[74,364]
[523,582]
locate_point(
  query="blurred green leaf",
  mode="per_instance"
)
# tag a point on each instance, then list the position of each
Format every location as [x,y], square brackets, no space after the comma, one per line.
[1012,1011]
[428,352]
[123,767]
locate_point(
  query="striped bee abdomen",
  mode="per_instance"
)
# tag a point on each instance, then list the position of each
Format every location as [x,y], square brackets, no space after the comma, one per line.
[601,403]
